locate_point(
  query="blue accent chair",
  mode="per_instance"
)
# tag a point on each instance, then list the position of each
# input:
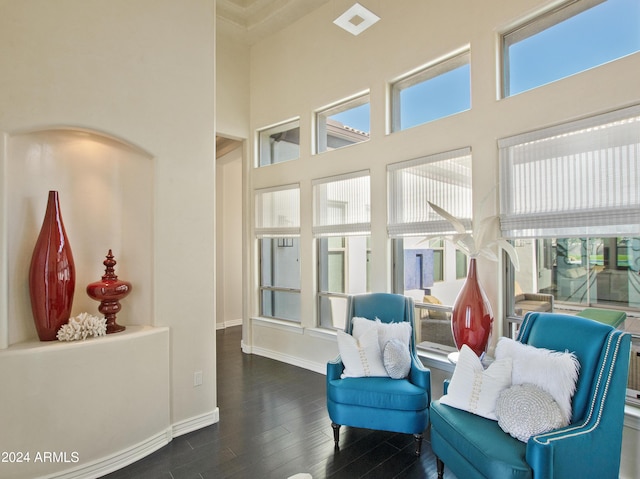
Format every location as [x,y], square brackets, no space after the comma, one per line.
[380,403]
[474,447]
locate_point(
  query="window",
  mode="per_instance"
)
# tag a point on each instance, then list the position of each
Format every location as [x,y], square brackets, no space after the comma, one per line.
[426,267]
[572,38]
[434,92]
[280,278]
[579,272]
[573,180]
[278,228]
[343,125]
[341,224]
[279,143]
[570,201]
[461,265]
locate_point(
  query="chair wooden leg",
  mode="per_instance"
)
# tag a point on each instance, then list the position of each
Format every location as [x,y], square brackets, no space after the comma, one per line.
[336,433]
[418,442]
[440,467]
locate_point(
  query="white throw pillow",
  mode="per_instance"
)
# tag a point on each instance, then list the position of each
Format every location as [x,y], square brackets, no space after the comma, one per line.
[552,371]
[396,358]
[475,389]
[361,326]
[361,357]
[524,410]
[386,331]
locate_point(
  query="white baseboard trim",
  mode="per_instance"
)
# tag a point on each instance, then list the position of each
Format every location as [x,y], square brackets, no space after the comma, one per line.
[229,324]
[138,451]
[116,461]
[195,423]
[285,358]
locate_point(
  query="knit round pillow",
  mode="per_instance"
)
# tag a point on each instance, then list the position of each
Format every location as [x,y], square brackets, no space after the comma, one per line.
[524,410]
[396,358]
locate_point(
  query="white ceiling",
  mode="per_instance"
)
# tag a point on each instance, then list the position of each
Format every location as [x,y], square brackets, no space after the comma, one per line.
[250,20]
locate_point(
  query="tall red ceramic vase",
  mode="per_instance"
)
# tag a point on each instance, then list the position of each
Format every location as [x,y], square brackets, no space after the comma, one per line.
[472,317]
[52,275]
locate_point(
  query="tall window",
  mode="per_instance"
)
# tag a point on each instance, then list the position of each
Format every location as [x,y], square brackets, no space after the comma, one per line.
[344,124]
[425,267]
[279,143]
[341,224]
[570,39]
[277,227]
[570,200]
[437,91]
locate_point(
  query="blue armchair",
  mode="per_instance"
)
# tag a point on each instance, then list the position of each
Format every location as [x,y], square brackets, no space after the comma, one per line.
[474,447]
[381,403]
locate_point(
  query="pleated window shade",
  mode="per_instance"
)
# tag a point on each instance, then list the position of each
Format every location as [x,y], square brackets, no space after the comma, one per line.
[577,179]
[277,211]
[342,205]
[444,179]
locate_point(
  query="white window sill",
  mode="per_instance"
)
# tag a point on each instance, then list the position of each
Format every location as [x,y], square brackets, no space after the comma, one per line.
[280,324]
[322,333]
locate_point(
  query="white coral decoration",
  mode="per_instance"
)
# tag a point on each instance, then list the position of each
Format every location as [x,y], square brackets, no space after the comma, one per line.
[81,327]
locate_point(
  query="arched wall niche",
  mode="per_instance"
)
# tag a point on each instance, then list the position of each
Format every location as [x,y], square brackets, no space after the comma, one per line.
[106,196]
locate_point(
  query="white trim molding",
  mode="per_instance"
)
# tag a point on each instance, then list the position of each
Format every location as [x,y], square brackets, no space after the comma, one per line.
[288,359]
[116,461]
[229,324]
[195,423]
[138,451]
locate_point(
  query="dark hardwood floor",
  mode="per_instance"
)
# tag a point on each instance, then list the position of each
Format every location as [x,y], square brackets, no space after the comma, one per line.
[274,424]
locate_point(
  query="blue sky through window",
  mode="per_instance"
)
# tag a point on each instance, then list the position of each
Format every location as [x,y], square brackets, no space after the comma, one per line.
[435,98]
[603,33]
[358,118]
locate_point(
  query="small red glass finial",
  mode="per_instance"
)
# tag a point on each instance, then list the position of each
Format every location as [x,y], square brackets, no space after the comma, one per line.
[109,291]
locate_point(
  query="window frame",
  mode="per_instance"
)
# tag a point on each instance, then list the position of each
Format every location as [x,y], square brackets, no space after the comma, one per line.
[276,217]
[350,224]
[276,289]
[263,134]
[531,26]
[346,273]
[548,161]
[424,74]
[427,177]
[429,222]
[613,136]
[322,115]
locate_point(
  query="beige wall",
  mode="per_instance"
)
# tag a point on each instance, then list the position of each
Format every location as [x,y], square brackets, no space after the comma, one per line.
[142,72]
[229,257]
[232,121]
[313,63]
[232,87]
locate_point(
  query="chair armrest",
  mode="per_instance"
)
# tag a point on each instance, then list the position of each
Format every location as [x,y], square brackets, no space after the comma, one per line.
[420,376]
[334,369]
[552,454]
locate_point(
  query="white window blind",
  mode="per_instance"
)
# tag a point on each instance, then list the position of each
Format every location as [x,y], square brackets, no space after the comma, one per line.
[342,205]
[576,179]
[444,179]
[277,211]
